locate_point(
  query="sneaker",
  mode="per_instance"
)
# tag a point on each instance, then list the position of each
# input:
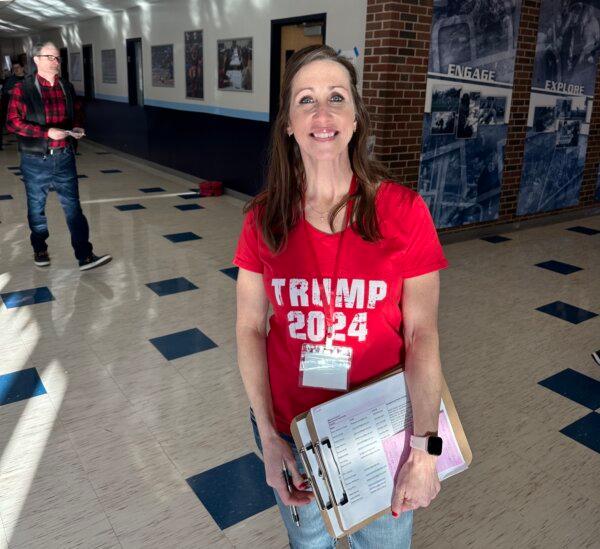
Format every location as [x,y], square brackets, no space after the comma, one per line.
[41,259]
[93,261]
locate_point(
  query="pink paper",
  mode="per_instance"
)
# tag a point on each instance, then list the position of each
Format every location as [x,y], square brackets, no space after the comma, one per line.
[397,448]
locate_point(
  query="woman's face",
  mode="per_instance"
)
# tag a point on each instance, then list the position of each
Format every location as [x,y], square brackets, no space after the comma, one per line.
[322,114]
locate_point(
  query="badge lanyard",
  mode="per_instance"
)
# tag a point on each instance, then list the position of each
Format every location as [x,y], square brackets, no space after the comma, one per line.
[329,304]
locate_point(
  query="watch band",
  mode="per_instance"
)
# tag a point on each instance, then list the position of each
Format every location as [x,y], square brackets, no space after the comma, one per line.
[419,443]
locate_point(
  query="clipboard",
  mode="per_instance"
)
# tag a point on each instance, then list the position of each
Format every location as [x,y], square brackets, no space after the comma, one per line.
[325,474]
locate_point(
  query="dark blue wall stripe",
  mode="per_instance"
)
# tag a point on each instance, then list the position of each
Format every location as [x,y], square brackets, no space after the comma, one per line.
[197,143]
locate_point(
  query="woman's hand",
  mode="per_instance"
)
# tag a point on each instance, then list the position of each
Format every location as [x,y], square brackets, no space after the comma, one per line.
[417,483]
[276,452]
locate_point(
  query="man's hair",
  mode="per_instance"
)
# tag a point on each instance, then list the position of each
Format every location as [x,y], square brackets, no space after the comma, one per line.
[37,49]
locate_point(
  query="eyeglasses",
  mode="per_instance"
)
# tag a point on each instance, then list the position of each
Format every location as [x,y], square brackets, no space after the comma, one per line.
[50,57]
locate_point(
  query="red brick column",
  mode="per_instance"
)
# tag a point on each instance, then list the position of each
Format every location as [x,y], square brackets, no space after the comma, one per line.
[394,81]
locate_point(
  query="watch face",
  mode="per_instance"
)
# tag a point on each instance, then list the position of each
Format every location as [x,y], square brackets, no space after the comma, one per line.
[434,446]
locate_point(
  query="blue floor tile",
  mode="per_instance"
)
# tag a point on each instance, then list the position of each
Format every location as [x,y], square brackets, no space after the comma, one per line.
[182,237]
[583,230]
[231,272]
[129,207]
[111,171]
[153,190]
[586,431]
[495,239]
[171,286]
[102,152]
[559,267]
[13,167]
[184,343]
[576,386]
[6,197]
[27,297]
[567,312]
[81,176]
[18,173]
[190,195]
[187,207]
[234,491]
[20,386]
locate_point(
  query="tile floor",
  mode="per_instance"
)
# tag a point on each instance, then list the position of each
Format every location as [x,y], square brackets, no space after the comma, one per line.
[122,413]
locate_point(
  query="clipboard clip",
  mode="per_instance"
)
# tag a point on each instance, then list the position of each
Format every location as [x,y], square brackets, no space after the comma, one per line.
[320,459]
[307,467]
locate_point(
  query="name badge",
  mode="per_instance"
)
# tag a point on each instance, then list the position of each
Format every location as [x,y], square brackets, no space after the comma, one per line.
[325,366]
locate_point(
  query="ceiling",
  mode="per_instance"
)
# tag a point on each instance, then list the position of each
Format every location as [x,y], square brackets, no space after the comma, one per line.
[21,17]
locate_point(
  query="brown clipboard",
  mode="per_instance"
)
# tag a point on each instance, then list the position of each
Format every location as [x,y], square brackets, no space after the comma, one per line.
[321,499]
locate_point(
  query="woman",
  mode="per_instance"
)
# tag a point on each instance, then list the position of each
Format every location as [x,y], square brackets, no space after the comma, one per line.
[329,223]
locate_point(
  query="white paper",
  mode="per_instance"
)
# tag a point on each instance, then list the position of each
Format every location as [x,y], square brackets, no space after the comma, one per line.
[356,426]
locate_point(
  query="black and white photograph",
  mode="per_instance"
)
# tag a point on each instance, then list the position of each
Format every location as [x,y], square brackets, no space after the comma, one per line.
[443,122]
[491,110]
[568,132]
[235,64]
[544,119]
[194,65]
[444,98]
[563,108]
[468,113]
[75,66]
[162,66]
[475,33]
[578,109]
[109,66]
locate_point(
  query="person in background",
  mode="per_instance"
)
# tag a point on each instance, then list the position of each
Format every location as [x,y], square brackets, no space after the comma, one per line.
[43,114]
[17,75]
[348,260]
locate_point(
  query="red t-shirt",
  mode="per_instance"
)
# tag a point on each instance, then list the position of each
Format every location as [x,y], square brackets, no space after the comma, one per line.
[368,293]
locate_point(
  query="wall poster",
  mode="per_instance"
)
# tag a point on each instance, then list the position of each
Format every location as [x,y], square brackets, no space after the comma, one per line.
[235,64]
[162,66]
[109,66]
[75,66]
[564,77]
[469,90]
[194,65]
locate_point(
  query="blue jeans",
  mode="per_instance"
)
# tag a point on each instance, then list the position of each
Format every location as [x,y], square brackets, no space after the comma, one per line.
[383,533]
[58,171]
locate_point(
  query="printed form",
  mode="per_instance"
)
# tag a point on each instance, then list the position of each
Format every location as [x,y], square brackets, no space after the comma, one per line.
[369,431]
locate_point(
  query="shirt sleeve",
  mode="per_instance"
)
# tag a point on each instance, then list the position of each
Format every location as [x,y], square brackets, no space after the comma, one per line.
[424,252]
[15,117]
[247,254]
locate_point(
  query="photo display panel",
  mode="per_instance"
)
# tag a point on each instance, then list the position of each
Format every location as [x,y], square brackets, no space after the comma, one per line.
[469,91]
[564,77]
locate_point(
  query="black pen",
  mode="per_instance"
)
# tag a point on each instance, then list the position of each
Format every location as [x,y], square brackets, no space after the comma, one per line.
[288,482]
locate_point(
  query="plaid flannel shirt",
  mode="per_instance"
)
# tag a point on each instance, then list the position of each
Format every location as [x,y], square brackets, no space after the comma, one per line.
[55,107]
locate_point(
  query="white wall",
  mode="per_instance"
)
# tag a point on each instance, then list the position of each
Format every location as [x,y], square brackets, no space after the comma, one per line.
[165,23]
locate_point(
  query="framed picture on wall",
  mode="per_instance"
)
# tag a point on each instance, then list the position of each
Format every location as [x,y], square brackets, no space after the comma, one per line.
[235,64]
[194,64]
[162,66]
[109,66]
[75,62]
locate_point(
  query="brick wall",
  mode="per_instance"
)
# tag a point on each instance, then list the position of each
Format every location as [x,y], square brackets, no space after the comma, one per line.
[395,77]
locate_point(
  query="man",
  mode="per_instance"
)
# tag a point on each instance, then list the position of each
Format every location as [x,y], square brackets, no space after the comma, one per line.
[18,73]
[42,114]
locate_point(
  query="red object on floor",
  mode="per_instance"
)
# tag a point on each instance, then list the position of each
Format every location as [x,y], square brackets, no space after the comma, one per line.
[211,188]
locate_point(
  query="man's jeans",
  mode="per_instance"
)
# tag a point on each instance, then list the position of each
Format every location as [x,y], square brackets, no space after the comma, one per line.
[58,171]
[383,533]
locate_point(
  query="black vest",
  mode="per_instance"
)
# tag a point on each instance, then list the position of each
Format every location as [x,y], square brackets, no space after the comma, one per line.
[36,113]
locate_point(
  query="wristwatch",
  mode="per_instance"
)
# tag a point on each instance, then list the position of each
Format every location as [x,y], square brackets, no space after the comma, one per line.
[432,445]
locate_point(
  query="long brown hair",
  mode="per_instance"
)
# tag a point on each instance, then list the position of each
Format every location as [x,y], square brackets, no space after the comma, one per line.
[279,205]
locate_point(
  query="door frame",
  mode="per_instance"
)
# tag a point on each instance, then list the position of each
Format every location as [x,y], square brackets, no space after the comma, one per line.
[276,25]
[88,69]
[132,75]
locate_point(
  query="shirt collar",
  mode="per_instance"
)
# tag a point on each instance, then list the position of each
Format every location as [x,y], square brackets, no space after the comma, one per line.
[45,82]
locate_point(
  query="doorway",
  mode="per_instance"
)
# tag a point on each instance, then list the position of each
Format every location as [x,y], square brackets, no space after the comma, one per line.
[64,63]
[135,74]
[88,71]
[287,36]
